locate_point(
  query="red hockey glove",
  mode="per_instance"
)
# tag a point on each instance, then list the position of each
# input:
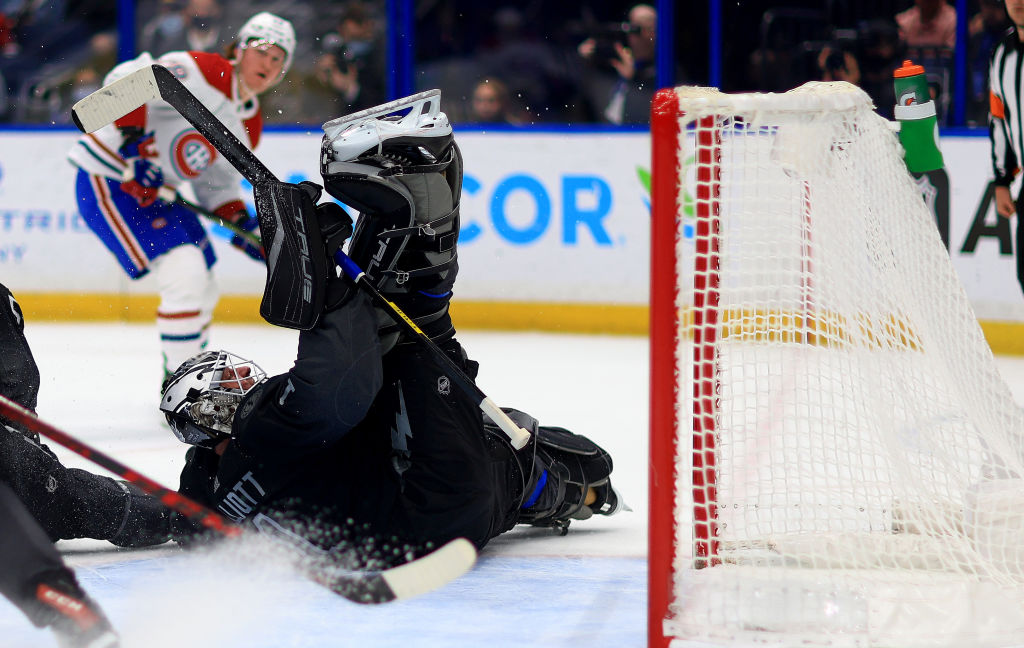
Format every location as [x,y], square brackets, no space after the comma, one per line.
[142,178]
[147,178]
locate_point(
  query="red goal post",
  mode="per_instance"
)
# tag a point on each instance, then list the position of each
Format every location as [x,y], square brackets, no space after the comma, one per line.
[834,457]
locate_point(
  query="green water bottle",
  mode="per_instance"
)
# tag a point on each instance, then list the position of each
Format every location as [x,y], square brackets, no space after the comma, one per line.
[915,112]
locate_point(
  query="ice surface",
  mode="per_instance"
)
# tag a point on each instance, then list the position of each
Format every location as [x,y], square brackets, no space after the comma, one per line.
[531,587]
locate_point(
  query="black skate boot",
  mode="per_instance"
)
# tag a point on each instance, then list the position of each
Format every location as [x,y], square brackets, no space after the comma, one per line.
[570,480]
[56,601]
[558,477]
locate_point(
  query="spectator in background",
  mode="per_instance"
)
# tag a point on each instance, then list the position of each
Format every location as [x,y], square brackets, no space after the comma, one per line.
[352,65]
[881,53]
[195,26]
[928,30]
[838,64]
[629,99]
[986,29]
[490,104]
[536,73]
[929,23]
[8,45]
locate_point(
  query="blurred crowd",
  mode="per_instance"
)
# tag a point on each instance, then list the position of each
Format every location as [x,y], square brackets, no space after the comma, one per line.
[519,63]
[864,42]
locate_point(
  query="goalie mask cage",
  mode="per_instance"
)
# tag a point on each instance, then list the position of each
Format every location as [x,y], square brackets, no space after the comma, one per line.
[835,459]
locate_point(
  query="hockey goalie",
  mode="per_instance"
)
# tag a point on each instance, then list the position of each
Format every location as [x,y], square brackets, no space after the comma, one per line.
[364,442]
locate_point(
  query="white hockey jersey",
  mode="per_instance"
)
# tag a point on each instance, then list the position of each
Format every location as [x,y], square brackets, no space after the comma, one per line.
[182,153]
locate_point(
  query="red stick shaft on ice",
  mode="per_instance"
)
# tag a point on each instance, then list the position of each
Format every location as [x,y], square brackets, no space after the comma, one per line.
[171,499]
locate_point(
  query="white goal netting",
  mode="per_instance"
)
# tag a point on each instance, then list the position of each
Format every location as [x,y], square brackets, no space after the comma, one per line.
[857,465]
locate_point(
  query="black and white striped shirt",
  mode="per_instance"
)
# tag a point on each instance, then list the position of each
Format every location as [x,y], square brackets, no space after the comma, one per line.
[1006,109]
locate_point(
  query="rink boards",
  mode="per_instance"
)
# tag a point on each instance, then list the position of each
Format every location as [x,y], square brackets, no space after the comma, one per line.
[555,233]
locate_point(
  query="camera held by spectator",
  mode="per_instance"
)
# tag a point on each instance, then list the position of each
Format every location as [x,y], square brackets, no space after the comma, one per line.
[600,47]
[837,61]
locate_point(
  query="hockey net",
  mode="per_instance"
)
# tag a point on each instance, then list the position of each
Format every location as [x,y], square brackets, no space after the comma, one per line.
[835,457]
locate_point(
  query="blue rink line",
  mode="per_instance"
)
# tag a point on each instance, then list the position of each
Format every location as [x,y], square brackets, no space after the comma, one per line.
[172,602]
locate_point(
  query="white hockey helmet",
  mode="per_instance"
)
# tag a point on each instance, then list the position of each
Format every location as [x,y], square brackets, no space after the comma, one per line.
[199,401]
[266,28]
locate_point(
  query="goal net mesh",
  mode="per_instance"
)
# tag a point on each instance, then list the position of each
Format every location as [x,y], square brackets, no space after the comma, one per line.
[850,467]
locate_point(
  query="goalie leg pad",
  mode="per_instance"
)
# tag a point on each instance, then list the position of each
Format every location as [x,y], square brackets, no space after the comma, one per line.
[405,238]
[297,268]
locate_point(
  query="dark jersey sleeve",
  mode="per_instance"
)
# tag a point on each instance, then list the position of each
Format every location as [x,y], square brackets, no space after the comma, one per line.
[292,417]
[19,375]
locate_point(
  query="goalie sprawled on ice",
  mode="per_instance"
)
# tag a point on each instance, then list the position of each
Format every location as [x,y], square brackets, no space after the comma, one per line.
[365,439]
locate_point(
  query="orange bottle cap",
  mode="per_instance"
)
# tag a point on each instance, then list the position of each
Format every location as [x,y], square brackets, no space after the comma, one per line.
[908,69]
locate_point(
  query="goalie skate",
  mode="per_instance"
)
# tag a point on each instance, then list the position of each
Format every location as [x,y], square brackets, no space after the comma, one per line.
[353,135]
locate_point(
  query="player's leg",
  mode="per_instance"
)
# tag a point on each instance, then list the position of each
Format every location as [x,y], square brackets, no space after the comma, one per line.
[166,239]
[74,503]
[450,484]
[407,189]
[35,579]
[188,295]
[19,375]
[116,219]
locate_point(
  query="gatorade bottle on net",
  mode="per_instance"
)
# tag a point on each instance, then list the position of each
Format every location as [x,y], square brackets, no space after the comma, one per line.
[915,112]
[919,135]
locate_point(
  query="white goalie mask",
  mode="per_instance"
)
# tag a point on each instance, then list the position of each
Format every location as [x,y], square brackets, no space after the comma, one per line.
[200,398]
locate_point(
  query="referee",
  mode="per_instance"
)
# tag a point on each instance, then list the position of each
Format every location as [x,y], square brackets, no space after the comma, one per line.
[1006,121]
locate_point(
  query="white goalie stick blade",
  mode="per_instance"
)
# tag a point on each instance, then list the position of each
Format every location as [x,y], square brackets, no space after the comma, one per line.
[116,100]
[368,587]
[431,571]
[353,135]
[405,581]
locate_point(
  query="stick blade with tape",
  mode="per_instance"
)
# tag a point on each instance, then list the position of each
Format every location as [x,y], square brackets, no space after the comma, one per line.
[111,102]
[405,581]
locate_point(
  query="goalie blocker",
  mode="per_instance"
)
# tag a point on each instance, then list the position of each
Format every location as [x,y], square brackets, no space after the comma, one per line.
[294,228]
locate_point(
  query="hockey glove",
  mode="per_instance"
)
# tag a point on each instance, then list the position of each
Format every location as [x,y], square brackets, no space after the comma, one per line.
[145,182]
[142,178]
[236,214]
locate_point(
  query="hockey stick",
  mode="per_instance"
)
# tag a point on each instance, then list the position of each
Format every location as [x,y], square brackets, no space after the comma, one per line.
[291,245]
[156,82]
[169,195]
[517,435]
[171,499]
[404,581]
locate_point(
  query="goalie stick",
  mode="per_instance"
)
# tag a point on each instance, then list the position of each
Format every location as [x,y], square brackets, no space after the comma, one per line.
[292,298]
[284,211]
[404,581]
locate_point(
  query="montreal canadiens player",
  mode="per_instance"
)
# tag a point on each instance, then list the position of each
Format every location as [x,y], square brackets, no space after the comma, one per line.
[121,168]
[366,441]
